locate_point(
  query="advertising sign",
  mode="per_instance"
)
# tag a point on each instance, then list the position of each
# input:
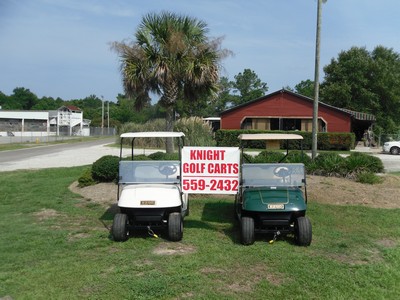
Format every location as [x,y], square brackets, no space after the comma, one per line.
[210,170]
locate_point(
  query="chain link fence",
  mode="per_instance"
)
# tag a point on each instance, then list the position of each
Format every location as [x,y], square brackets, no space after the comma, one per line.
[42,137]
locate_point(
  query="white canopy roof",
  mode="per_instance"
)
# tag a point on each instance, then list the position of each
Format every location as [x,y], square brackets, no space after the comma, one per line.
[269,136]
[152,134]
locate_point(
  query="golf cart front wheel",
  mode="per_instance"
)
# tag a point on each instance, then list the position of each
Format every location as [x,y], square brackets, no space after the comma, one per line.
[175,226]
[119,228]
[247,230]
[303,231]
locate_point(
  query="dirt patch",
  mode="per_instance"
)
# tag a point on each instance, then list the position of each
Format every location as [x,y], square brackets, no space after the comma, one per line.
[173,249]
[245,280]
[330,190]
[104,193]
[45,214]
[340,191]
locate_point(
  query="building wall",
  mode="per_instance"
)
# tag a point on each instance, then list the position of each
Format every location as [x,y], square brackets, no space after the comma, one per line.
[287,106]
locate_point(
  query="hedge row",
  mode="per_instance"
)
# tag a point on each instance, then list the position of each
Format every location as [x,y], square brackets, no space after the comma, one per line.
[356,166]
[326,140]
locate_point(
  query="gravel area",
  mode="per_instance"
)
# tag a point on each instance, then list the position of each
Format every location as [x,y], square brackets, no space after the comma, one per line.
[328,190]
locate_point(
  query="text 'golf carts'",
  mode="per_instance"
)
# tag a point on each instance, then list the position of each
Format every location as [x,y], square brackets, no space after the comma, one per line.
[149,192]
[272,197]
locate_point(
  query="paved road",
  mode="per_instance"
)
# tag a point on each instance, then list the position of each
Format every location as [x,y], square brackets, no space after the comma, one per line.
[60,155]
[390,162]
[85,153]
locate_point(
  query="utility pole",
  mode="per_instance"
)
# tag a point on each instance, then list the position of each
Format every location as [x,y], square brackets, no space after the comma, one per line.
[316,82]
[108,115]
[102,114]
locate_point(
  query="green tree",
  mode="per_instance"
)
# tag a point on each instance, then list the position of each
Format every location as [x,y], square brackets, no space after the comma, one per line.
[366,81]
[23,98]
[305,88]
[248,87]
[48,103]
[4,101]
[171,56]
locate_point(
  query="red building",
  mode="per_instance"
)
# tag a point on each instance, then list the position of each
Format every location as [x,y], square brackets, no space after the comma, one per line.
[285,110]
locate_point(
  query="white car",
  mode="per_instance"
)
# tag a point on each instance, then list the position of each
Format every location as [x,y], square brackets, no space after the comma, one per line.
[392,147]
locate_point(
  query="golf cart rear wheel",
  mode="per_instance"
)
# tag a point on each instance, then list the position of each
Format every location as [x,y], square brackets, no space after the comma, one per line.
[303,231]
[175,226]
[119,228]
[247,230]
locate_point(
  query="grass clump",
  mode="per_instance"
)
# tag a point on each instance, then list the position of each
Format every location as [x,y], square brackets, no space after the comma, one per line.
[368,178]
[86,178]
[197,132]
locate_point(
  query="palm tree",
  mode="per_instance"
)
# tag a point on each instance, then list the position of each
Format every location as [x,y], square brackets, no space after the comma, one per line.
[171,57]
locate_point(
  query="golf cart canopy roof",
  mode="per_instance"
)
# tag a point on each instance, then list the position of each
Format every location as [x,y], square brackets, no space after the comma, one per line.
[269,136]
[152,134]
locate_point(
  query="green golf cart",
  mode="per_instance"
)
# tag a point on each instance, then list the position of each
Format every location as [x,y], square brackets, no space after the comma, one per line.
[272,197]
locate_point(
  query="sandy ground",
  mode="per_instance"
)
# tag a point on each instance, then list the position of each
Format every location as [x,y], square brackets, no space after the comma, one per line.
[329,190]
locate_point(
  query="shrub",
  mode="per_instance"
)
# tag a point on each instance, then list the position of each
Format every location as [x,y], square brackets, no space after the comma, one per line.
[361,162]
[329,164]
[136,157]
[268,157]
[164,156]
[86,178]
[298,157]
[326,140]
[368,178]
[105,169]
[247,158]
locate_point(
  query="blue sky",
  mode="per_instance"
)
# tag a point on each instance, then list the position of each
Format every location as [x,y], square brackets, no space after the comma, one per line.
[60,48]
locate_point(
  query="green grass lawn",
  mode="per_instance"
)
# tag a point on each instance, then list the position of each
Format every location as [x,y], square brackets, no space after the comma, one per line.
[56,245]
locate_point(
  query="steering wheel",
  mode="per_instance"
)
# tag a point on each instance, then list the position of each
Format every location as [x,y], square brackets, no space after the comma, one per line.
[281,172]
[167,169]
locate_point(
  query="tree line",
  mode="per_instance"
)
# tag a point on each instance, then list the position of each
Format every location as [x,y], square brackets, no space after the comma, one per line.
[172,58]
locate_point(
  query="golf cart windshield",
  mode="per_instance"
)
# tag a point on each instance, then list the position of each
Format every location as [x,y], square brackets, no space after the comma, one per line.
[273,175]
[149,172]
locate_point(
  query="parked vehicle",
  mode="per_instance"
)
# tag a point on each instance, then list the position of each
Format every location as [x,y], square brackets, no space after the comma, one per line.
[272,197]
[392,147]
[150,192]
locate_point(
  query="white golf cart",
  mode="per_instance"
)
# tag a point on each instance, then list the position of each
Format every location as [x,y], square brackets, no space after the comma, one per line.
[150,192]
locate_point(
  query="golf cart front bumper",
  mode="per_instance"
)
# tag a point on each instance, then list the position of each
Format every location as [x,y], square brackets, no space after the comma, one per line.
[273,222]
[142,218]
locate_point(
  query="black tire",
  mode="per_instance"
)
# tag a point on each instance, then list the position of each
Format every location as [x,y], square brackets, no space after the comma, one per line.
[395,150]
[247,231]
[303,231]
[119,228]
[175,227]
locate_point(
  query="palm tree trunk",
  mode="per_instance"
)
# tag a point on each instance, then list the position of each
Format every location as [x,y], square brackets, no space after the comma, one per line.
[169,118]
